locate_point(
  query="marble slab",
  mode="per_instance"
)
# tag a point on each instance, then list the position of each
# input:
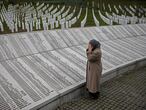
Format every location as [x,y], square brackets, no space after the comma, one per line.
[36,67]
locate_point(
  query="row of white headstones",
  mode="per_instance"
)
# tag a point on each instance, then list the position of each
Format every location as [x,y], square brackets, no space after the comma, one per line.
[31,17]
[120,19]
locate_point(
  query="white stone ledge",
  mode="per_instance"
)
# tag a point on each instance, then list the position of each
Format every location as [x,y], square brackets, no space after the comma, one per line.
[76,90]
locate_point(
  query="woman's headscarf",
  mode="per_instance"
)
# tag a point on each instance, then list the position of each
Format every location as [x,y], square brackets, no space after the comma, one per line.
[95,44]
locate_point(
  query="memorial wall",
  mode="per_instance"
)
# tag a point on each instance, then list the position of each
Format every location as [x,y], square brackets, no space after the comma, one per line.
[36,66]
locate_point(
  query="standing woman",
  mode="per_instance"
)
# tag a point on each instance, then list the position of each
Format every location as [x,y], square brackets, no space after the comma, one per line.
[94,68]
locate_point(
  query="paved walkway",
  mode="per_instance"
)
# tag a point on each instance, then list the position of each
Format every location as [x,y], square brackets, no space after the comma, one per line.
[121,93]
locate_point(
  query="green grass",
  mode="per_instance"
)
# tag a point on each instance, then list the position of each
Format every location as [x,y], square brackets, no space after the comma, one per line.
[90,20]
[78,23]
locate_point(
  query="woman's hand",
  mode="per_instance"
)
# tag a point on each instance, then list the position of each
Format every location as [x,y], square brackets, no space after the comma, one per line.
[89,48]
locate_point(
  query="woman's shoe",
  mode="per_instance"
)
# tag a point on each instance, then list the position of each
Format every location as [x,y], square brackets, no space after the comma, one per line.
[93,96]
[98,94]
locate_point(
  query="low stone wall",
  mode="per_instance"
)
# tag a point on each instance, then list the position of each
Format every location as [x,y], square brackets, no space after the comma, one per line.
[78,90]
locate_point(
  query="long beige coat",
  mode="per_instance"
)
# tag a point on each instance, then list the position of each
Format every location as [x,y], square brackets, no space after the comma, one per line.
[93,70]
